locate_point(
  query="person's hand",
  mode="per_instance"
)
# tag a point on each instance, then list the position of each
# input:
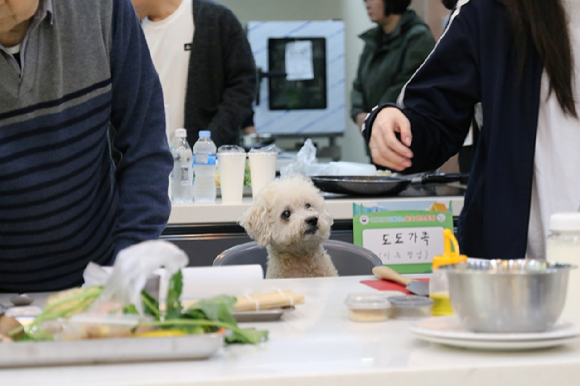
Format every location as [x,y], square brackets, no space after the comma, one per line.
[360,119]
[386,149]
[249,130]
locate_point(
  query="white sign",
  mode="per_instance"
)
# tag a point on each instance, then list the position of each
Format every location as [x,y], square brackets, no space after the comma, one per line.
[404,245]
[299,65]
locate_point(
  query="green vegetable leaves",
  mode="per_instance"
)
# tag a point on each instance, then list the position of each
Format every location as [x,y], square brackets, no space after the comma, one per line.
[174,306]
[204,316]
[247,176]
[218,309]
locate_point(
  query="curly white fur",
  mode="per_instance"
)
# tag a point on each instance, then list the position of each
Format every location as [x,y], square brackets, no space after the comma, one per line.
[289,218]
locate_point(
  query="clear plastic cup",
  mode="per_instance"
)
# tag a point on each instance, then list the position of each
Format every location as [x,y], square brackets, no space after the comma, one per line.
[232,166]
[262,167]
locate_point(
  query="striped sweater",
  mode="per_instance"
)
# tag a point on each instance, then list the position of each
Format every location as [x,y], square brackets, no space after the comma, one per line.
[63,202]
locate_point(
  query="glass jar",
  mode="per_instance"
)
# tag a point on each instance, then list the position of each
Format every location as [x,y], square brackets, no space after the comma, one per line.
[563,246]
[563,243]
[439,292]
[439,284]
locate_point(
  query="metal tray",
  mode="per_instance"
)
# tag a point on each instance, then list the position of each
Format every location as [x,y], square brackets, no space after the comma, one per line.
[260,315]
[115,350]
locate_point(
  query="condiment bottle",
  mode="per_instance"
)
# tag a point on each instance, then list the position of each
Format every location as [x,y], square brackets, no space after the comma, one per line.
[439,284]
[563,246]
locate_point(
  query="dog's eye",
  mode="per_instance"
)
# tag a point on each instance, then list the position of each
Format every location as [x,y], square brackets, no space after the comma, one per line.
[307,206]
[286,214]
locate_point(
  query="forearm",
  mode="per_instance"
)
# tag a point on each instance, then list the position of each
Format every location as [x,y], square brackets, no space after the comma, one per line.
[138,118]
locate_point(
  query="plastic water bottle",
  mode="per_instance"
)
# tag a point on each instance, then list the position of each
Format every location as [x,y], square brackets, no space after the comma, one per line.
[204,156]
[182,175]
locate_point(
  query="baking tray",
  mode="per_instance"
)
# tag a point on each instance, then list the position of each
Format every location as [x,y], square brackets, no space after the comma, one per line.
[269,315]
[114,350]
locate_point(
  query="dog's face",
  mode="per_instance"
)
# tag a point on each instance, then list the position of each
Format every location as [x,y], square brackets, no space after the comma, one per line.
[289,215]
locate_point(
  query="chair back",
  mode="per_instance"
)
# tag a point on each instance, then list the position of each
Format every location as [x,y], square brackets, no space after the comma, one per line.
[349,259]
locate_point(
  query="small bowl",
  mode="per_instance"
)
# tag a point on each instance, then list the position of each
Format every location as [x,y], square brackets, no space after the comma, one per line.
[410,307]
[367,307]
[509,296]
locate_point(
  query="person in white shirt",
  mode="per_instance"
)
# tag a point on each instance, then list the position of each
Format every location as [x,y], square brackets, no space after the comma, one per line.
[205,64]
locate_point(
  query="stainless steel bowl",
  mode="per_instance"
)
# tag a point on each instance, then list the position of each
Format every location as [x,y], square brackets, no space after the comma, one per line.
[508,295]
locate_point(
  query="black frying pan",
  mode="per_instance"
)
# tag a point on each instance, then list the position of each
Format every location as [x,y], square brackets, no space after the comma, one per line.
[380,185]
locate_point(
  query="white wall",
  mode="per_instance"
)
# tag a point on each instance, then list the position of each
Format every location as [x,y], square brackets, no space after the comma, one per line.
[247,10]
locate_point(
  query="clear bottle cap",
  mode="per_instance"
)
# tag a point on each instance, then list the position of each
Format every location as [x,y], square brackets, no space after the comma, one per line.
[565,221]
[180,133]
[204,134]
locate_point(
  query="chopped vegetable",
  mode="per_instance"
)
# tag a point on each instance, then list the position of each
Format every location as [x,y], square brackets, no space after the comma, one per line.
[159,334]
[7,324]
[205,316]
[69,303]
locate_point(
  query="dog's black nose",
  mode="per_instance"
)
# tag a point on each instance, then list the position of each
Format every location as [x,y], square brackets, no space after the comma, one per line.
[312,221]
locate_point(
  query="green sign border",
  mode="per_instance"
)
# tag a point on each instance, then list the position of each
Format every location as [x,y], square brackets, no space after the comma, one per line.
[358,228]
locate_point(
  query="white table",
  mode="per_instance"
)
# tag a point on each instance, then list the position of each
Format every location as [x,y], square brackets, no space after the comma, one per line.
[317,345]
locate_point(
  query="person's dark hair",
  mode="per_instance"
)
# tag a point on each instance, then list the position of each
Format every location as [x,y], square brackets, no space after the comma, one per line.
[449,4]
[546,22]
[396,7]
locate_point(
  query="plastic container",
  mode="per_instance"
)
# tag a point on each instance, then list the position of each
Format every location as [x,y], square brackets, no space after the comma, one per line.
[410,307]
[91,326]
[368,307]
[563,246]
[439,284]
[204,165]
[182,174]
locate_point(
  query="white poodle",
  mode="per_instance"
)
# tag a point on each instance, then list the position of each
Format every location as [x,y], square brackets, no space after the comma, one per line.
[289,218]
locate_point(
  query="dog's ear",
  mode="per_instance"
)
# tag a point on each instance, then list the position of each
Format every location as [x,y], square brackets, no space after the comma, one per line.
[328,216]
[255,222]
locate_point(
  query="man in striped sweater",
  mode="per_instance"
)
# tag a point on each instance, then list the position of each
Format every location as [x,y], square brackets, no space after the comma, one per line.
[71,72]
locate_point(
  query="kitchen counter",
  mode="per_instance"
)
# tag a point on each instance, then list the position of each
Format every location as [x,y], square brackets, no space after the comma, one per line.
[317,345]
[339,206]
[204,230]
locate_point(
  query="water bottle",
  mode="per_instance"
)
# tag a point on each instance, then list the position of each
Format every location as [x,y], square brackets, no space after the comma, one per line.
[182,175]
[204,156]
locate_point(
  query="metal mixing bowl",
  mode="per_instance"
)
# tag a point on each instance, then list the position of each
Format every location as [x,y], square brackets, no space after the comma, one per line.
[508,295]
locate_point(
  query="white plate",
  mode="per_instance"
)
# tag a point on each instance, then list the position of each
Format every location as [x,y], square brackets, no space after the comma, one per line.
[451,328]
[498,345]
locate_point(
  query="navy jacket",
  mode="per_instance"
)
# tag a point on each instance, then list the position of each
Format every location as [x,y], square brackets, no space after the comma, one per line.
[476,61]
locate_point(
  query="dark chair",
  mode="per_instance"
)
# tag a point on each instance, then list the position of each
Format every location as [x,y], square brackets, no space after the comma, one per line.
[349,259]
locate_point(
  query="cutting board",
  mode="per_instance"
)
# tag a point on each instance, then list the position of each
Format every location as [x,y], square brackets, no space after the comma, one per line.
[385,285]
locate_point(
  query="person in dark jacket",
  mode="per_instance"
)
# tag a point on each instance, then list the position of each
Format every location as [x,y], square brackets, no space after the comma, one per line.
[517,59]
[393,51]
[205,63]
